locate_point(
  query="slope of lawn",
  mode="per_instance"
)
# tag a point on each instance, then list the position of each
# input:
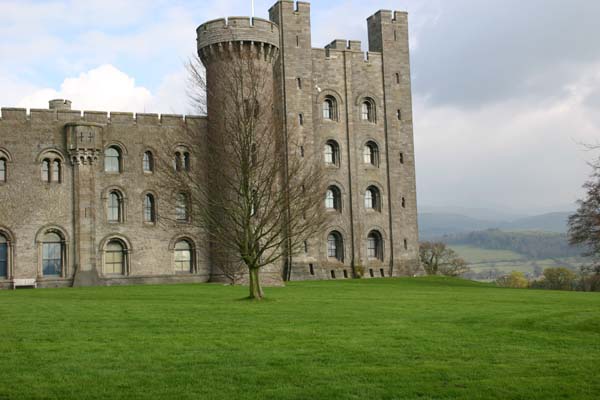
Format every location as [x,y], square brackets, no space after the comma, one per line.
[413,338]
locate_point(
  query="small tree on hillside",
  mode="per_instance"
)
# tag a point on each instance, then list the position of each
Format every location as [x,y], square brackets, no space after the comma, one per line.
[559,279]
[438,259]
[256,202]
[584,225]
[515,279]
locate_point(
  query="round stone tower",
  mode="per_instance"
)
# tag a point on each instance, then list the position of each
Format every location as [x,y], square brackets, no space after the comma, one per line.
[236,51]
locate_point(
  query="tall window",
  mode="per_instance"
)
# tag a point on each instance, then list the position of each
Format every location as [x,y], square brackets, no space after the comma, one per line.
[115,207]
[2,170]
[374,246]
[368,110]
[181,207]
[330,108]
[371,154]
[149,209]
[333,199]
[56,172]
[183,256]
[52,254]
[335,246]
[148,161]
[112,160]
[332,153]
[114,258]
[3,256]
[186,161]
[46,170]
[372,199]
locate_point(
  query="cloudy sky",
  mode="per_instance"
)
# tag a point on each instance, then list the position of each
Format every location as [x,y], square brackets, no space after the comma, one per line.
[505,91]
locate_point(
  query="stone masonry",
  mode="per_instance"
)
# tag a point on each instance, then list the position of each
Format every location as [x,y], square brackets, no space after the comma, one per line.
[79,199]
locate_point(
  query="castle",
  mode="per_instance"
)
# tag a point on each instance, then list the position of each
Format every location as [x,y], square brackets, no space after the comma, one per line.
[79,198]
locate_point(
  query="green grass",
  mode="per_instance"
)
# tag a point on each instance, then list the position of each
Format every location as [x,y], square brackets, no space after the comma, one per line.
[419,338]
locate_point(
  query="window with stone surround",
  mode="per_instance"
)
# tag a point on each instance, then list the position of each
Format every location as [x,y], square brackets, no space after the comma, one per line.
[148,162]
[368,110]
[114,258]
[115,207]
[374,246]
[3,170]
[330,111]
[3,256]
[373,199]
[52,254]
[371,154]
[113,160]
[333,199]
[149,209]
[183,256]
[335,246]
[332,153]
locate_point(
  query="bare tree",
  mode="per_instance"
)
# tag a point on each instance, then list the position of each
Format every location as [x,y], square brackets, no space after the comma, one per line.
[257,200]
[438,259]
[584,225]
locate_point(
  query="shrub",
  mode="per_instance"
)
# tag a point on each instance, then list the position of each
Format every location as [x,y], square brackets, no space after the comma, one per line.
[515,280]
[559,279]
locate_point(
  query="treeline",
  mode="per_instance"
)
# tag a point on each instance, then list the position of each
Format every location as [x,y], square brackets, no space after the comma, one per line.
[534,245]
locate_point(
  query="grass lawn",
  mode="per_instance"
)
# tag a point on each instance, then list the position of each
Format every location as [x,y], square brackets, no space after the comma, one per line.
[413,338]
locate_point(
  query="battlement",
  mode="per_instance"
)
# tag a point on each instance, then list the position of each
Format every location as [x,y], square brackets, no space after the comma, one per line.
[291,6]
[343,44]
[236,29]
[394,17]
[36,116]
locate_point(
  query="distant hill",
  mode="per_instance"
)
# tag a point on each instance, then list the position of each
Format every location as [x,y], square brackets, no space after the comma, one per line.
[437,224]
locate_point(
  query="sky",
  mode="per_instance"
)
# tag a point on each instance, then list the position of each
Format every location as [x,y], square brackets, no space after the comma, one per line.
[505,92]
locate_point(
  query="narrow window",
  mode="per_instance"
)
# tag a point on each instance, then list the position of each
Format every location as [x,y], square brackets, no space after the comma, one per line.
[305,246]
[395,36]
[399,115]
[403,202]
[299,83]
[332,153]
[371,273]
[374,246]
[368,110]
[115,207]
[346,274]
[112,160]
[3,257]
[177,161]
[405,244]
[333,199]
[372,199]
[186,161]
[56,171]
[311,269]
[301,151]
[397,78]
[52,254]
[181,207]
[332,274]
[148,162]
[297,41]
[330,108]
[335,246]
[401,158]
[149,209]
[114,258]
[382,273]
[371,154]
[300,119]
[2,170]
[46,171]
[183,256]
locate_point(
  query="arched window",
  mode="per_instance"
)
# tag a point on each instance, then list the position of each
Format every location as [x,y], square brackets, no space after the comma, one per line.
[56,171]
[3,256]
[177,161]
[374,246]
[371,154]
[149,209]
[368,110]
[112,159]
[330,108]
[186,161]
[372,199]
[182,207]
[148,161]
[52,254]
[115,207]
[114,258]
[332,153]
[335,246]
[333,199]
[183,256]
[2,170]
[46,170]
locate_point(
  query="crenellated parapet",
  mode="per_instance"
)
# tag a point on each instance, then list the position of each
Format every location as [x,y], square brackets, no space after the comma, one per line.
[232,36]
[42,116]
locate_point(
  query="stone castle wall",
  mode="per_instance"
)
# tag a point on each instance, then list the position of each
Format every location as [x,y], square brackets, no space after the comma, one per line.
[303,77]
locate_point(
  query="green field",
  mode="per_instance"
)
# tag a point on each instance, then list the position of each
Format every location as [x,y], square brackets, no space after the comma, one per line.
[412,338]
[505,261]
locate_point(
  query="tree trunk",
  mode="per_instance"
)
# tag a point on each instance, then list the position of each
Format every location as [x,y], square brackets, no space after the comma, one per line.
[256,292]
